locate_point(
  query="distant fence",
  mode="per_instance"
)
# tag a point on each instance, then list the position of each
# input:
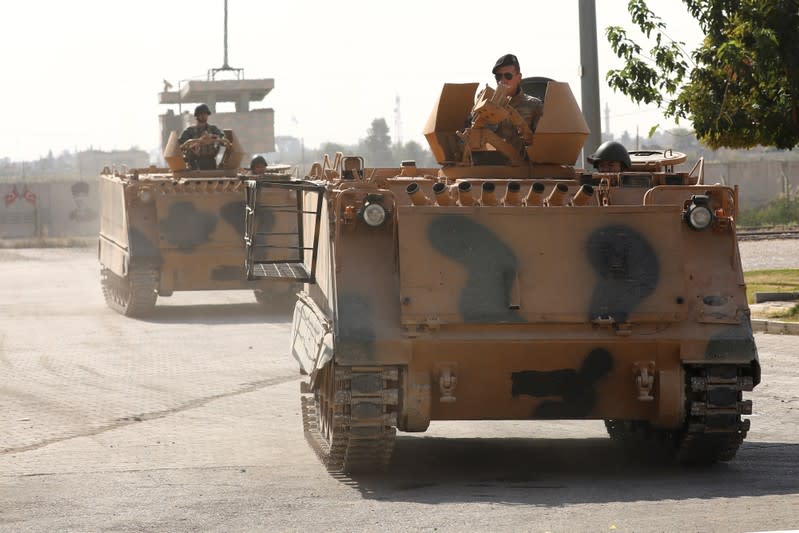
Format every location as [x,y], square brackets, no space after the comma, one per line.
[49,209]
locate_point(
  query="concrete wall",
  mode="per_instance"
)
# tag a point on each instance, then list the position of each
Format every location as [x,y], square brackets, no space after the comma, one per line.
[254,129]
[49,209]
[758,182]
[69,208]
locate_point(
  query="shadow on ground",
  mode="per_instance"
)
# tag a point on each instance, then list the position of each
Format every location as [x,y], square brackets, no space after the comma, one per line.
[555,472]
[229,313]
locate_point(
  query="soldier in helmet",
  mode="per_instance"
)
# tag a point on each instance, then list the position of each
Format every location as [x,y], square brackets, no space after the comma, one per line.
[611,156]
[258,165]
[203,156]
[507,72]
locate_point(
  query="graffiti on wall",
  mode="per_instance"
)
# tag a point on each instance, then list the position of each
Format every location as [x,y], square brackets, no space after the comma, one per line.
[82,211]
[13,195]
[54,209]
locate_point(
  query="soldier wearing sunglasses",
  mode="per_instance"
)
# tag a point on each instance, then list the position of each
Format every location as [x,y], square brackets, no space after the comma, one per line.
[506,71]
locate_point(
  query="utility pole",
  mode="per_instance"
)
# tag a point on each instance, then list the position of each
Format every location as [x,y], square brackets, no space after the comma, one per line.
[225,66]
[397,121]
[224,61]
[589,74]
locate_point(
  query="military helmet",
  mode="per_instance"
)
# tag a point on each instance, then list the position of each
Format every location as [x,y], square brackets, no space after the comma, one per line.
[259,159]
[611,151]
[202,107]
[507,60]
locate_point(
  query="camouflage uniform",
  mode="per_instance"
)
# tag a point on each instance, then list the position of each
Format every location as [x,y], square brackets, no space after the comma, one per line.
[530,108]
[205,159]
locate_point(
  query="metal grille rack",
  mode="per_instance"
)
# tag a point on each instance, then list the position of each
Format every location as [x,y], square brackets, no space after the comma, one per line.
[276,220]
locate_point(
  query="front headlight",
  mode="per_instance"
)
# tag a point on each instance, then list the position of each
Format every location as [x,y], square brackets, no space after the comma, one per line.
[698,215]
[374,214]
[145,195]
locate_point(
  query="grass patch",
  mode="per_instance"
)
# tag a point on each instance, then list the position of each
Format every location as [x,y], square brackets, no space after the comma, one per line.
[792,314]
[782,280]
[50,242]
[789,315]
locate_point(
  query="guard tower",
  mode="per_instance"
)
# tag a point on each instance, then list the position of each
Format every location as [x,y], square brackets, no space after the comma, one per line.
[254,128]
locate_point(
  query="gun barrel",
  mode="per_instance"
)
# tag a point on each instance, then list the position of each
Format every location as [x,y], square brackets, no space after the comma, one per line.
[465,193]
[512,196]
[488,196]
[416,194]
[441,193]
[583,195]
[558,195]
[535,198]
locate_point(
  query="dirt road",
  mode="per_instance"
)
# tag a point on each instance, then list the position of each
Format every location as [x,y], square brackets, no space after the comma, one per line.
[190,421]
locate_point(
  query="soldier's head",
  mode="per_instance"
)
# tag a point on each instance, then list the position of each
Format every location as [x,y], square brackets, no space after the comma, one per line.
[201,113]
[258,165]
[507,72]
[611,156]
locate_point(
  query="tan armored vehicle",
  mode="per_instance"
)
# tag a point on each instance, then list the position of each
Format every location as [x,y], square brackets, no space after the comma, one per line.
[174,229]
[509,285]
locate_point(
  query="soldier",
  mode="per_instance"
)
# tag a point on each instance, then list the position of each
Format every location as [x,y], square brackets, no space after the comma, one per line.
[611,156]
[507,72]
[258,165]
[202,156]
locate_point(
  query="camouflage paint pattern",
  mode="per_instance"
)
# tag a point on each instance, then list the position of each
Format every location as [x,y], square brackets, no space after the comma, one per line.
[541,312]
[190,225]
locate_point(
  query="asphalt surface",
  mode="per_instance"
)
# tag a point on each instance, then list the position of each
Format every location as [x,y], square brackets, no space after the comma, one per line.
[189,421]
[768,254]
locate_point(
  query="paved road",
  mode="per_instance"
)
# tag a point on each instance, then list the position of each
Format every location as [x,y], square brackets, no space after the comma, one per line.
[771,253]
[190,421]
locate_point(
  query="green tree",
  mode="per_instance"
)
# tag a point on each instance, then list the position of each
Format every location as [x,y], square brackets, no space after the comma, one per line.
[331,148]
[377,145]
[412,150]
[742,86]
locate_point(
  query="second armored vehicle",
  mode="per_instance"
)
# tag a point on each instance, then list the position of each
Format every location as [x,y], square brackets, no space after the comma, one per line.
[176,229]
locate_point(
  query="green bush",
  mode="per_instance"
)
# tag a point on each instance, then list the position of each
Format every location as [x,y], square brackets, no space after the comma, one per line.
[780,212]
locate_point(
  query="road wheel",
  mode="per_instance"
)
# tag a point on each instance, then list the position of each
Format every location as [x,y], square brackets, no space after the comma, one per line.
[133,296]
[349,417]
[323,429]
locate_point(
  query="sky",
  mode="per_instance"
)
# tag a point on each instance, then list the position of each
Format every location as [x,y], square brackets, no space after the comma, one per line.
[86,73]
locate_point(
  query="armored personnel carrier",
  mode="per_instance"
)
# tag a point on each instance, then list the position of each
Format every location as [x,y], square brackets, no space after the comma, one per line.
[175,229]
[508,284]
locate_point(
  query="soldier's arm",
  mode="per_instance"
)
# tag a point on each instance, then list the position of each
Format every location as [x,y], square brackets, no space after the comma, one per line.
[538,112]
[185,136]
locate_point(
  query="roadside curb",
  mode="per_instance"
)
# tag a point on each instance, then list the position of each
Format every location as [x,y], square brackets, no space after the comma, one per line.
[775,326]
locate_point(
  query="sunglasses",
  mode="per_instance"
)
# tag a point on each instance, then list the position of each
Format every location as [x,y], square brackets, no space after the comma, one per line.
[507,75]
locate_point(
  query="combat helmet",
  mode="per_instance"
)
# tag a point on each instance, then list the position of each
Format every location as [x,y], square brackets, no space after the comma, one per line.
[202,107]
[611,151]
[258,160]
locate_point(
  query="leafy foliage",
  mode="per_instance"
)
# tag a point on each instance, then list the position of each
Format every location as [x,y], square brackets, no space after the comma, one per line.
[781,212]
[376,149]
[779,280]
[743,87]
[377,145]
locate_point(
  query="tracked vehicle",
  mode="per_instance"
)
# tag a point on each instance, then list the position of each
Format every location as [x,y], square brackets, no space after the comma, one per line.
[508,284]
[174,229]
